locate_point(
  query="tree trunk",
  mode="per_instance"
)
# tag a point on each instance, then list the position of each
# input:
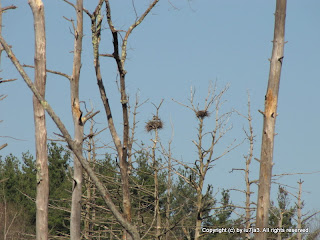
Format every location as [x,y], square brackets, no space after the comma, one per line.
[156,187]
[201,172]
[75,223]
[169,190]
[250,137]
[199,214]
[299,213]
[270,113]
[40,121]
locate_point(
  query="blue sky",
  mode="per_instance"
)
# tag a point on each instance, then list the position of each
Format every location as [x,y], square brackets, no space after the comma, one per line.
[173,49]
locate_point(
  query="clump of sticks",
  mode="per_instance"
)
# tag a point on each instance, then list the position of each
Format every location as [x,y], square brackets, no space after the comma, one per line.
[202,114]
[153,124]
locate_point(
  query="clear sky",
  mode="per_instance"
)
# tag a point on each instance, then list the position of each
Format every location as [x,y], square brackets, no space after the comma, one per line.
[191,44]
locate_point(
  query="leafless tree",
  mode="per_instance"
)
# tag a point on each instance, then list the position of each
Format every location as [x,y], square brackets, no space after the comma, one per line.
[155,125]
[119,55]
[75,222]
[248,219]
[42,199]
[301,218]
[269,120]
[299,208]
[206,155]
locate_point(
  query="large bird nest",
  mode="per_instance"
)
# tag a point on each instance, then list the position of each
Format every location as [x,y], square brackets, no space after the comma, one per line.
[202,114]
[153,124]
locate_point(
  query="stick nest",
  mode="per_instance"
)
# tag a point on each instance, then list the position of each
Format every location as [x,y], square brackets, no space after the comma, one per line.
[202,114]
[153,124]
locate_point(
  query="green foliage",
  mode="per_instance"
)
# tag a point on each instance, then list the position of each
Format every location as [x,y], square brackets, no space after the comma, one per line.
[60,186]
[10,171]
[221,218]
[18,190]
[283,214]
[27,186]
[184,206]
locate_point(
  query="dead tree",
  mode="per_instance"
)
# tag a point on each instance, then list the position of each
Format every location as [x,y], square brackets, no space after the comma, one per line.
[248,160]
[269,120]
[75,222]
[169,190]
[206,155]
[119,55]
[90,196]
[299,207]
[155,125]
[42,198]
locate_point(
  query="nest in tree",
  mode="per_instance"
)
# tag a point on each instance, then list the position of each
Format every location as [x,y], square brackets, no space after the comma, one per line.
[153,124]
[202,114]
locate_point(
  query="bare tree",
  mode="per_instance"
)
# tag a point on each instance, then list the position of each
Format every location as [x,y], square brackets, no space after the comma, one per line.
[75,223]
[299,208]
[42,199]
[155,125]
[119,54]
[248,219]
[169,189]
[302,219]
[269,120]
[206,156]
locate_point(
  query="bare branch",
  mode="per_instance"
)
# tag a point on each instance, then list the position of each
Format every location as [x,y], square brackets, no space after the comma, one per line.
[7,8]
[13,138]
[51,71]
[3,146]
[133,26]
[8,80]
[106,55]
[71,4]
[89,116]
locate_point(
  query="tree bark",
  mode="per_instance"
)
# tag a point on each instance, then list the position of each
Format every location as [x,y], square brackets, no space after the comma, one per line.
[299,213]
[40,121]
[75,223]
[269,114]
[156,187]
[201,172]
[169,191]
[248,192]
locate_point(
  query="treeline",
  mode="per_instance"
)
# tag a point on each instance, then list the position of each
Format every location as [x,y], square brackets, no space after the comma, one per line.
[18,192]
[177,200]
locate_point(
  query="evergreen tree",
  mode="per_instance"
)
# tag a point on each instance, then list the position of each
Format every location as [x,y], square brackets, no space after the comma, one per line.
[11,174]
[27,189]
[221,218]
[60,186]
[282,216]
